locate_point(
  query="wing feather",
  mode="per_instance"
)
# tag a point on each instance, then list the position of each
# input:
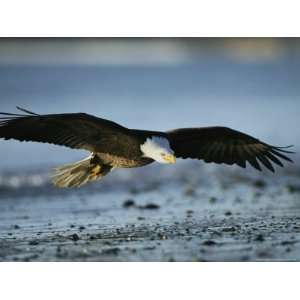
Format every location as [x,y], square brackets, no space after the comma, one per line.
[225,145]
[77,131]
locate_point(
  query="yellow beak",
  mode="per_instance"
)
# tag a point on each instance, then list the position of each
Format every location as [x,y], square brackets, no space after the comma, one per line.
[171,159]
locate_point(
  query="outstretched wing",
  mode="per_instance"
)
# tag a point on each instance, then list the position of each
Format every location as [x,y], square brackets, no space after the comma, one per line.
[77,131]
[225,145]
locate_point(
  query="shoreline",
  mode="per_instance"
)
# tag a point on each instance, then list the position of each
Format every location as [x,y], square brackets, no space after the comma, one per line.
[184,214]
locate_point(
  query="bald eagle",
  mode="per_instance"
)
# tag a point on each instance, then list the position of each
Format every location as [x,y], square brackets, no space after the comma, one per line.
[114,146]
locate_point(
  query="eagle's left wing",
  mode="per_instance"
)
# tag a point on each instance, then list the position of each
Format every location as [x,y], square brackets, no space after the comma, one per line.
[225,145]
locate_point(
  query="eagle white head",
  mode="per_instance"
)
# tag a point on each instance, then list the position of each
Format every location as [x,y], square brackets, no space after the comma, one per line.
[158,148]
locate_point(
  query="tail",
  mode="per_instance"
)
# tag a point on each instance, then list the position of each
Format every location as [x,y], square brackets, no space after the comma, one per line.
[79,173]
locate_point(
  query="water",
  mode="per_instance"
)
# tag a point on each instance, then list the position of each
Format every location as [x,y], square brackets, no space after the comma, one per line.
[261,99]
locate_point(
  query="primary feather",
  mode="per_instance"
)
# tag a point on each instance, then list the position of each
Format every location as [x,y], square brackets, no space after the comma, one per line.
[225,145]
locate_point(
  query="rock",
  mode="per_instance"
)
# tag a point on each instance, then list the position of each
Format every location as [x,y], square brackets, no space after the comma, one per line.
[229,229]
[149,206]
[111,251]
[293,188]
[209,243]
[74,237]
[288,243]
[259,238]
[33,243]
[259,183]
[128,203]
[95,236]
[149,248]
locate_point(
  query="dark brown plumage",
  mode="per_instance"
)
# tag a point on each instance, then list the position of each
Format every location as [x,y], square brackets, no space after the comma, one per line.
[77,131]
[114,146]
[225,145]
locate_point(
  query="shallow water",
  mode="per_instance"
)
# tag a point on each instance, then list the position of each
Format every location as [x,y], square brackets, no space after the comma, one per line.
[185,214]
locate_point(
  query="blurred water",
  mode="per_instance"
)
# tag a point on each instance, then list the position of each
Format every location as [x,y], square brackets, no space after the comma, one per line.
[262,99]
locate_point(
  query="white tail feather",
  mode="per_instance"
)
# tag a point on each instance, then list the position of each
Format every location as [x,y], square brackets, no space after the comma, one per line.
[79,173]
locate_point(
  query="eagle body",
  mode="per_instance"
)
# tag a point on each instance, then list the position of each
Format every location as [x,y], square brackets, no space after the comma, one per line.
[126,151]
[122,161]
[113,146]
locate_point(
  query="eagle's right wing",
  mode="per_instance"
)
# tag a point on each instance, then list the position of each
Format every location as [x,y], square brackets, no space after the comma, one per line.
[77,131]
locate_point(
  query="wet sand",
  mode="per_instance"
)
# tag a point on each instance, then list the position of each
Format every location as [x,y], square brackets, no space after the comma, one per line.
[189,212]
